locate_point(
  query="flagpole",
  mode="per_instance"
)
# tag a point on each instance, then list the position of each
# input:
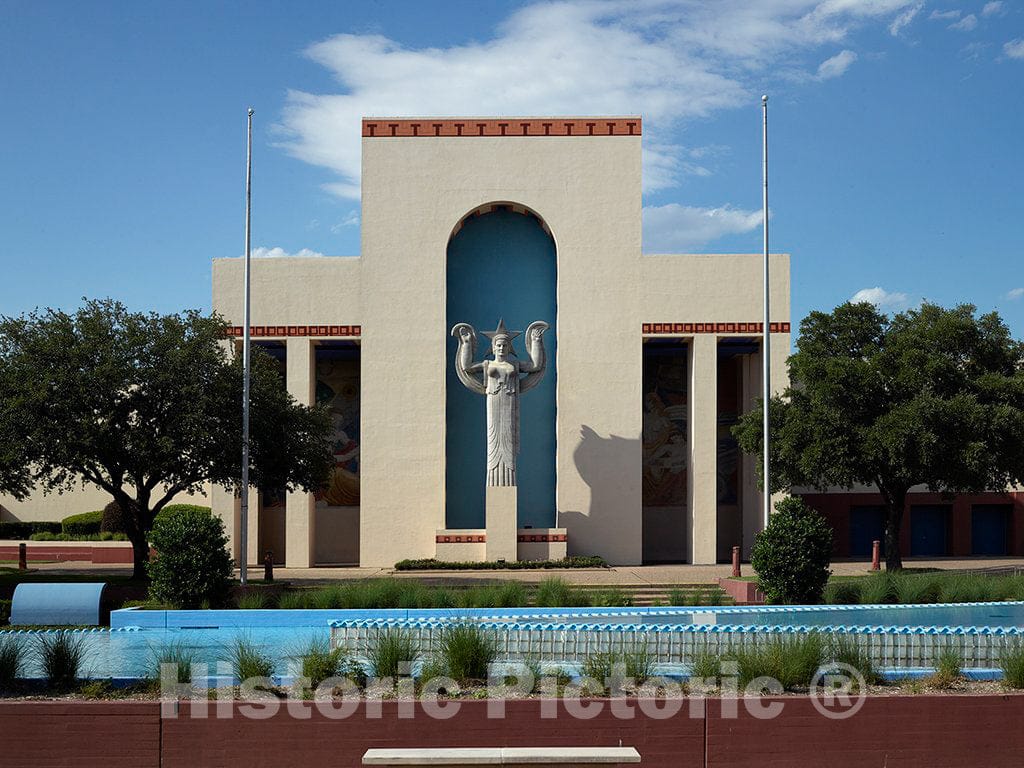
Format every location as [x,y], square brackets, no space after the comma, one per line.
[243,554]
[766,344]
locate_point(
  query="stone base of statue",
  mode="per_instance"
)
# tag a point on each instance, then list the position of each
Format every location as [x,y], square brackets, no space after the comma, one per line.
[502,525]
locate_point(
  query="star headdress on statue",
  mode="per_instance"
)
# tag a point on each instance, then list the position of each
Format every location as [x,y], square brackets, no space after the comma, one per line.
[501,330]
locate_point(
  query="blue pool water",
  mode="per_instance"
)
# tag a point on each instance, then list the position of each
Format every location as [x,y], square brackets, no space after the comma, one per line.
[130,647]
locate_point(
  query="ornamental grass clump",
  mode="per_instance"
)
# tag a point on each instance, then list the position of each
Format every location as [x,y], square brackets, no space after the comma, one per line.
[842,592]
[320,662]
[793,662]
[791,556]
[61,656]
[248,661]
[392,652]
[948,669]
[845,650]
[1012,663]
[252,601]
[12,659]
[611,668]
[558,593]
[173,661]
[467,651]
[876,589]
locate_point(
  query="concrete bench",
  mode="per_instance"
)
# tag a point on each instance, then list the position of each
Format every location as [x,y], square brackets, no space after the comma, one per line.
[547,756]
[58,603]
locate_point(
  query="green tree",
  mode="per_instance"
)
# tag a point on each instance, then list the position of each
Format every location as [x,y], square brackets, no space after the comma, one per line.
[932,396]
[144,406]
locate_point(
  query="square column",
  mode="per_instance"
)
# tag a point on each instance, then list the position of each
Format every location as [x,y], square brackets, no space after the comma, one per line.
[702,491]
[300,518]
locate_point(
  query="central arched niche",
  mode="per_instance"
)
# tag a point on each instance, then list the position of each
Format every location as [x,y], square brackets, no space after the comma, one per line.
[501,264]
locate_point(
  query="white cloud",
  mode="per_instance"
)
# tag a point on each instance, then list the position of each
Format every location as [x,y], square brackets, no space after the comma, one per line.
[995,8]
[1015,293]
[944,15]
[903,19]
[837,65]
[882,298]
[350,220]
[679,228]
[668,60]
[1015,48]
[966,24]
[280,253]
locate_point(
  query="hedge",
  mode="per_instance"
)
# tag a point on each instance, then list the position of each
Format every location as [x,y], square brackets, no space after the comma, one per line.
[172,509]
[86,523]
[23,530]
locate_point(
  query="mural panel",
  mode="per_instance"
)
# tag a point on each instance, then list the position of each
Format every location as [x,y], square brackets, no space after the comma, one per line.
[337,388]
[665,435]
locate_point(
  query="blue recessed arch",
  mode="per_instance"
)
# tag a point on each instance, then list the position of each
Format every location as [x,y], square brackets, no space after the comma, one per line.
[501,264]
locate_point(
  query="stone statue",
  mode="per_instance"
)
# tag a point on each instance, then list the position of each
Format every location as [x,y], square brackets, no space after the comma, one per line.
[501,381]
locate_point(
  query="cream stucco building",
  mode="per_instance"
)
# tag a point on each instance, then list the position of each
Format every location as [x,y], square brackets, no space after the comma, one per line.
[627,455]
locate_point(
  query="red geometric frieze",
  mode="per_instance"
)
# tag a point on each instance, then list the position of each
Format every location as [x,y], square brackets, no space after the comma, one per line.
[653,329]
[297,330]
[542,537]
[470,538]
[383,128]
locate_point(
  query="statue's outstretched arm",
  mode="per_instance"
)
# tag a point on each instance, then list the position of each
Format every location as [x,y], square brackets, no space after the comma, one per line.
[464,366]
[534,369]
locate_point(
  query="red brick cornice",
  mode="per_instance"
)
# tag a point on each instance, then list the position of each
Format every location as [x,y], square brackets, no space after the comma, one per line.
[381,128]
[656,329]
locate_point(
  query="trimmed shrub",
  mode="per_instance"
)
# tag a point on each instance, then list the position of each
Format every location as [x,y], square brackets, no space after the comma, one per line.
[192,565]
[17,529]
[173,509]
[85,524]
[791,556]
[113,519]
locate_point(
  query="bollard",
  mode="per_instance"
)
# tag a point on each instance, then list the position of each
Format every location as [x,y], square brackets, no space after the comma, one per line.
[876,555]
[22,556]
[736,562]
[268,566]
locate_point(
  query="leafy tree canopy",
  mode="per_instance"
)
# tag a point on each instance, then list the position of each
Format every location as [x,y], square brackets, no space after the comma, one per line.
[144,406]
[931,396]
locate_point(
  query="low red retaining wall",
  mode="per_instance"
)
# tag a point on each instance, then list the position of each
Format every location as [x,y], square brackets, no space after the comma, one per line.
[902,731]
[71,552]
[742,592]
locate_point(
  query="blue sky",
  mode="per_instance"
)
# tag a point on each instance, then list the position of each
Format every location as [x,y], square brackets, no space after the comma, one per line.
[896,161]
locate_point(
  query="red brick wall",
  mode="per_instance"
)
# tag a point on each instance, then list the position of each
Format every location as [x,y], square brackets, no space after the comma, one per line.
[836,509]
[893,731]
[320,741]
[81,734]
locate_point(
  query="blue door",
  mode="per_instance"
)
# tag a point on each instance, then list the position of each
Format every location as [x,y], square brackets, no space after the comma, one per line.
[867,525]
[990,526]
[929,530]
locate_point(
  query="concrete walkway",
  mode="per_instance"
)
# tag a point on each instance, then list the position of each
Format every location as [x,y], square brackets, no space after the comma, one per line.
[624,576]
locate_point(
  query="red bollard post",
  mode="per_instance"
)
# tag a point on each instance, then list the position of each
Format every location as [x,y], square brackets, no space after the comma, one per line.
[876,555]
[736,561]
[23,556]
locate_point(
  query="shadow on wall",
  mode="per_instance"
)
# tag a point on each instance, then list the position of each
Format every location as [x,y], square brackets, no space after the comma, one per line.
[607,465]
